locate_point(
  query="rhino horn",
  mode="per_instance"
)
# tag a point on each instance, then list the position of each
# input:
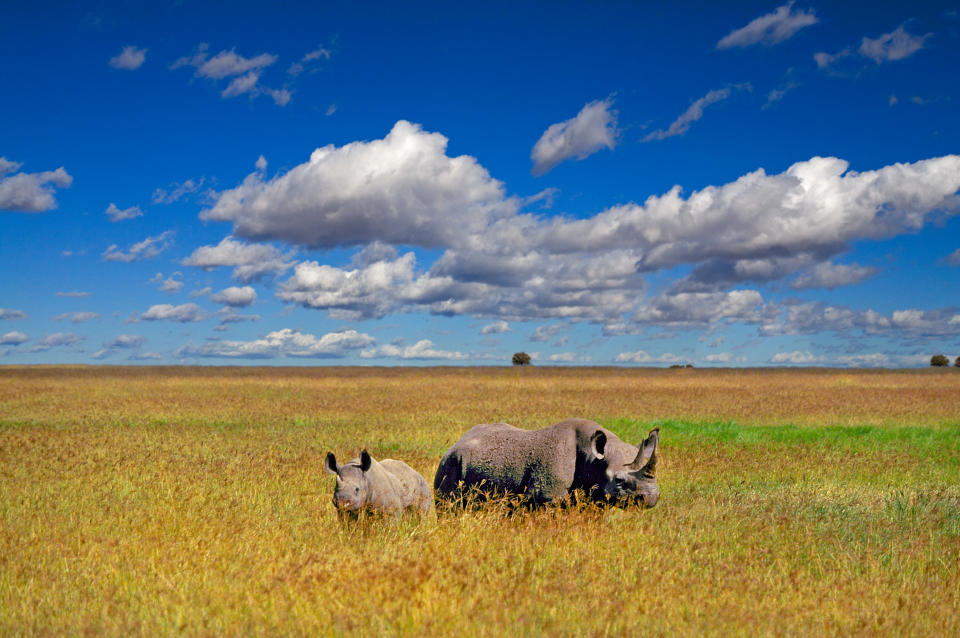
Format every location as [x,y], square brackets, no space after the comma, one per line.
[365,461]
[331,463]
[646,461]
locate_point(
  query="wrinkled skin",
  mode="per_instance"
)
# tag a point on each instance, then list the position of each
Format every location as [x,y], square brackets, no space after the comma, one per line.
[388,487]
[548,465]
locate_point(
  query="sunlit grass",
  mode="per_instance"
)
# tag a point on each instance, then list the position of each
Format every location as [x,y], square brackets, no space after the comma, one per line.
[194,501]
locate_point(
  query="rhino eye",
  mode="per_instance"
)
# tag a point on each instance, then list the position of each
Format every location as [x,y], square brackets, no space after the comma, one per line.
[356,490]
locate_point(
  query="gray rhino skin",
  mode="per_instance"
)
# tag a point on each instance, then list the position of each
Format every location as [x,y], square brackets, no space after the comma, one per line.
[545,466]
[388,486]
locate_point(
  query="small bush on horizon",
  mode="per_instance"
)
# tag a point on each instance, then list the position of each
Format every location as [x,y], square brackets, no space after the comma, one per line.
[939,361]
[521,359]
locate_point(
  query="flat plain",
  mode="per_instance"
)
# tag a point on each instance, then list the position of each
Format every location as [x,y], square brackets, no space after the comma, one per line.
[193,501]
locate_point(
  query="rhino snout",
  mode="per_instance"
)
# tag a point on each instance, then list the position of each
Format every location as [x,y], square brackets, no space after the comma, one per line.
[626,491]
[349,498]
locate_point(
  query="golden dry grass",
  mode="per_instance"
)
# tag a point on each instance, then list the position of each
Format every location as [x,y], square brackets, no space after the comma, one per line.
[156,501]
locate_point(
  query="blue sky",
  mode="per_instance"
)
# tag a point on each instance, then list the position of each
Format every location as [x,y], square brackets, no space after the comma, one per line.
[450,183]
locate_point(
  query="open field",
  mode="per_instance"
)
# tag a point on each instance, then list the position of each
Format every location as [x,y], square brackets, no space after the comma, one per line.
[156,501]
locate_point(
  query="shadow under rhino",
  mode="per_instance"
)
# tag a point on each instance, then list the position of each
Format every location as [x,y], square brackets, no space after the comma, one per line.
[574,461]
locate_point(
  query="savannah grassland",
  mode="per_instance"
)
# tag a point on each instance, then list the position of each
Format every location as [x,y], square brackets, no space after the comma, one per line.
[158,501]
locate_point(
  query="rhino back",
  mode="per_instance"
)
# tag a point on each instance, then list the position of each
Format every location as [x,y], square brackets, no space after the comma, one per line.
[540,463]
[410,484]
[385,494]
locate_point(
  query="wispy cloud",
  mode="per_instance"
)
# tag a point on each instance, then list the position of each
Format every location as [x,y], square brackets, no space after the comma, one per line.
[146,249]
[593,128]
[769,29]
[120,342]
[830,276]
[896,45]
[77,317]
[177,192]
[899,44]
[56,340]
[642,356]
[129,58]
[682,124]
[320,53]
[245,72]
[117,215]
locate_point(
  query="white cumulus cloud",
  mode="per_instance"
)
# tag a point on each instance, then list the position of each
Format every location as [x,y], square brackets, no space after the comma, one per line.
[184,313]
[401,189]
[14,338]
[497,327]
[593,128]
[29,192]
[249,261]
[815,206]
[236,296]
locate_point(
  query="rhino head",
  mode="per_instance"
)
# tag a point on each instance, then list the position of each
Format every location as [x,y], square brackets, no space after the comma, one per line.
[636,481]
[352,491]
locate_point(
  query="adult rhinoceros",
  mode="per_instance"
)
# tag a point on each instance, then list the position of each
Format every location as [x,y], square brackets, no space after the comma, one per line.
[545,466]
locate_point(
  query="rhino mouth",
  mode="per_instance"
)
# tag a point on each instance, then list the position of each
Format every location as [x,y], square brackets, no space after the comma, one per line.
[634,499]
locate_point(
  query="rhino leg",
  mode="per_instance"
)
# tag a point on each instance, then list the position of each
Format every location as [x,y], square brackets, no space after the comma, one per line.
[448,476]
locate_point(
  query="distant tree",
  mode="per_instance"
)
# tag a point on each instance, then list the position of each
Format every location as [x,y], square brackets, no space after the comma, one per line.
[939,360]
[521,359]
[956,364]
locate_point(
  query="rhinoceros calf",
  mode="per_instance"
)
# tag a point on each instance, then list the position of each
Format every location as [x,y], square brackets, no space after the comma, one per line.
[388,486]
[545,466]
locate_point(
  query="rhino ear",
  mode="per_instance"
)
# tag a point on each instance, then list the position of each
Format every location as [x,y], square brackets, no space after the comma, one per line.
[365,461]
[646,461]
[331,463]
[597,443]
